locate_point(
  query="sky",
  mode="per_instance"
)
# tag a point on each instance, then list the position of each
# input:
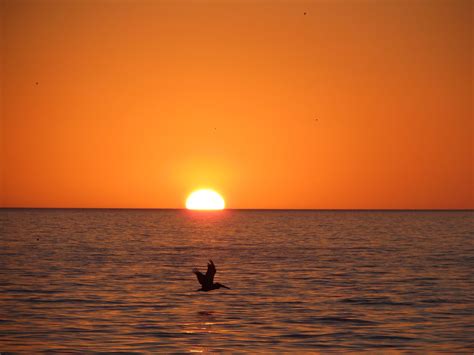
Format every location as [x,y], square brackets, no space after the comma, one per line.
[275,104]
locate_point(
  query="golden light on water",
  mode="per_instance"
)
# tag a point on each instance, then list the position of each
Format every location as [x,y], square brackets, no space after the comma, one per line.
[205,199]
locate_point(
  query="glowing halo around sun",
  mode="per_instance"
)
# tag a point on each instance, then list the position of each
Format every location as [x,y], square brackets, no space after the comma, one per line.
[205,199]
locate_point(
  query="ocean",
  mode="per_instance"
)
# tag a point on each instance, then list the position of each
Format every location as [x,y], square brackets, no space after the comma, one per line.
[80,281]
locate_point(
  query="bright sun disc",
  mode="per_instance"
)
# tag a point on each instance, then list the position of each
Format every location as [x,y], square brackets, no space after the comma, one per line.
[205,199]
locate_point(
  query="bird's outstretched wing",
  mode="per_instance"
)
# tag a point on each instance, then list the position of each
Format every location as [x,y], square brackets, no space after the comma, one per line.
[200,276]
[211,271]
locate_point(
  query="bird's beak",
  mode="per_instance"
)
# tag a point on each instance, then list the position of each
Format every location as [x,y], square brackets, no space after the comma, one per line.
[225,287]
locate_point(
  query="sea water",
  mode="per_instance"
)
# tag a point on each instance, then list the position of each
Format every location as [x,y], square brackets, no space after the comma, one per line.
[121,280]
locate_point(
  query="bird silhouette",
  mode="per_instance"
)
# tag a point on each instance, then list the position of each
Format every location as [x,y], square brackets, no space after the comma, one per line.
[207,281]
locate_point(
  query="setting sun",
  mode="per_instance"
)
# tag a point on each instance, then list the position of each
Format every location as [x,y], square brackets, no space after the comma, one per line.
[205,199]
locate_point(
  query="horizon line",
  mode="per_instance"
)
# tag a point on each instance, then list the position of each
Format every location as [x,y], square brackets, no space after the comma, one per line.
[244,209]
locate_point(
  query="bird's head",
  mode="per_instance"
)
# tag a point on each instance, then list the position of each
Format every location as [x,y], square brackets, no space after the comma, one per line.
[218,285]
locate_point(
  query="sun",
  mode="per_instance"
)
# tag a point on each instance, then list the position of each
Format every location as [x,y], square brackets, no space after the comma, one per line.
[205,199]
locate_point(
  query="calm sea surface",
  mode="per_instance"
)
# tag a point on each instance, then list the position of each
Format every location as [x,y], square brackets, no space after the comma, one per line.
[121,280]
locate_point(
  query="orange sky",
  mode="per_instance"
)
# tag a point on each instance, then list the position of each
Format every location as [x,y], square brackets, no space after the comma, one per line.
[140,102]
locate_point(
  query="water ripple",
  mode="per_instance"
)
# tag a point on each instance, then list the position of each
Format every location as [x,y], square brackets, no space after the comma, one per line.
[310,281]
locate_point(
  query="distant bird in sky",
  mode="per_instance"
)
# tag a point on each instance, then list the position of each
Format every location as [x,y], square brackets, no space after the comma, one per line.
[207,281]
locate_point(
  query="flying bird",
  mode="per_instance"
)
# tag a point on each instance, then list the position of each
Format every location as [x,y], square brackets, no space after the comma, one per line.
[207,281]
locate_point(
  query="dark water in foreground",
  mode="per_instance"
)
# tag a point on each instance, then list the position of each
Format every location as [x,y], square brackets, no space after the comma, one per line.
[109,280]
